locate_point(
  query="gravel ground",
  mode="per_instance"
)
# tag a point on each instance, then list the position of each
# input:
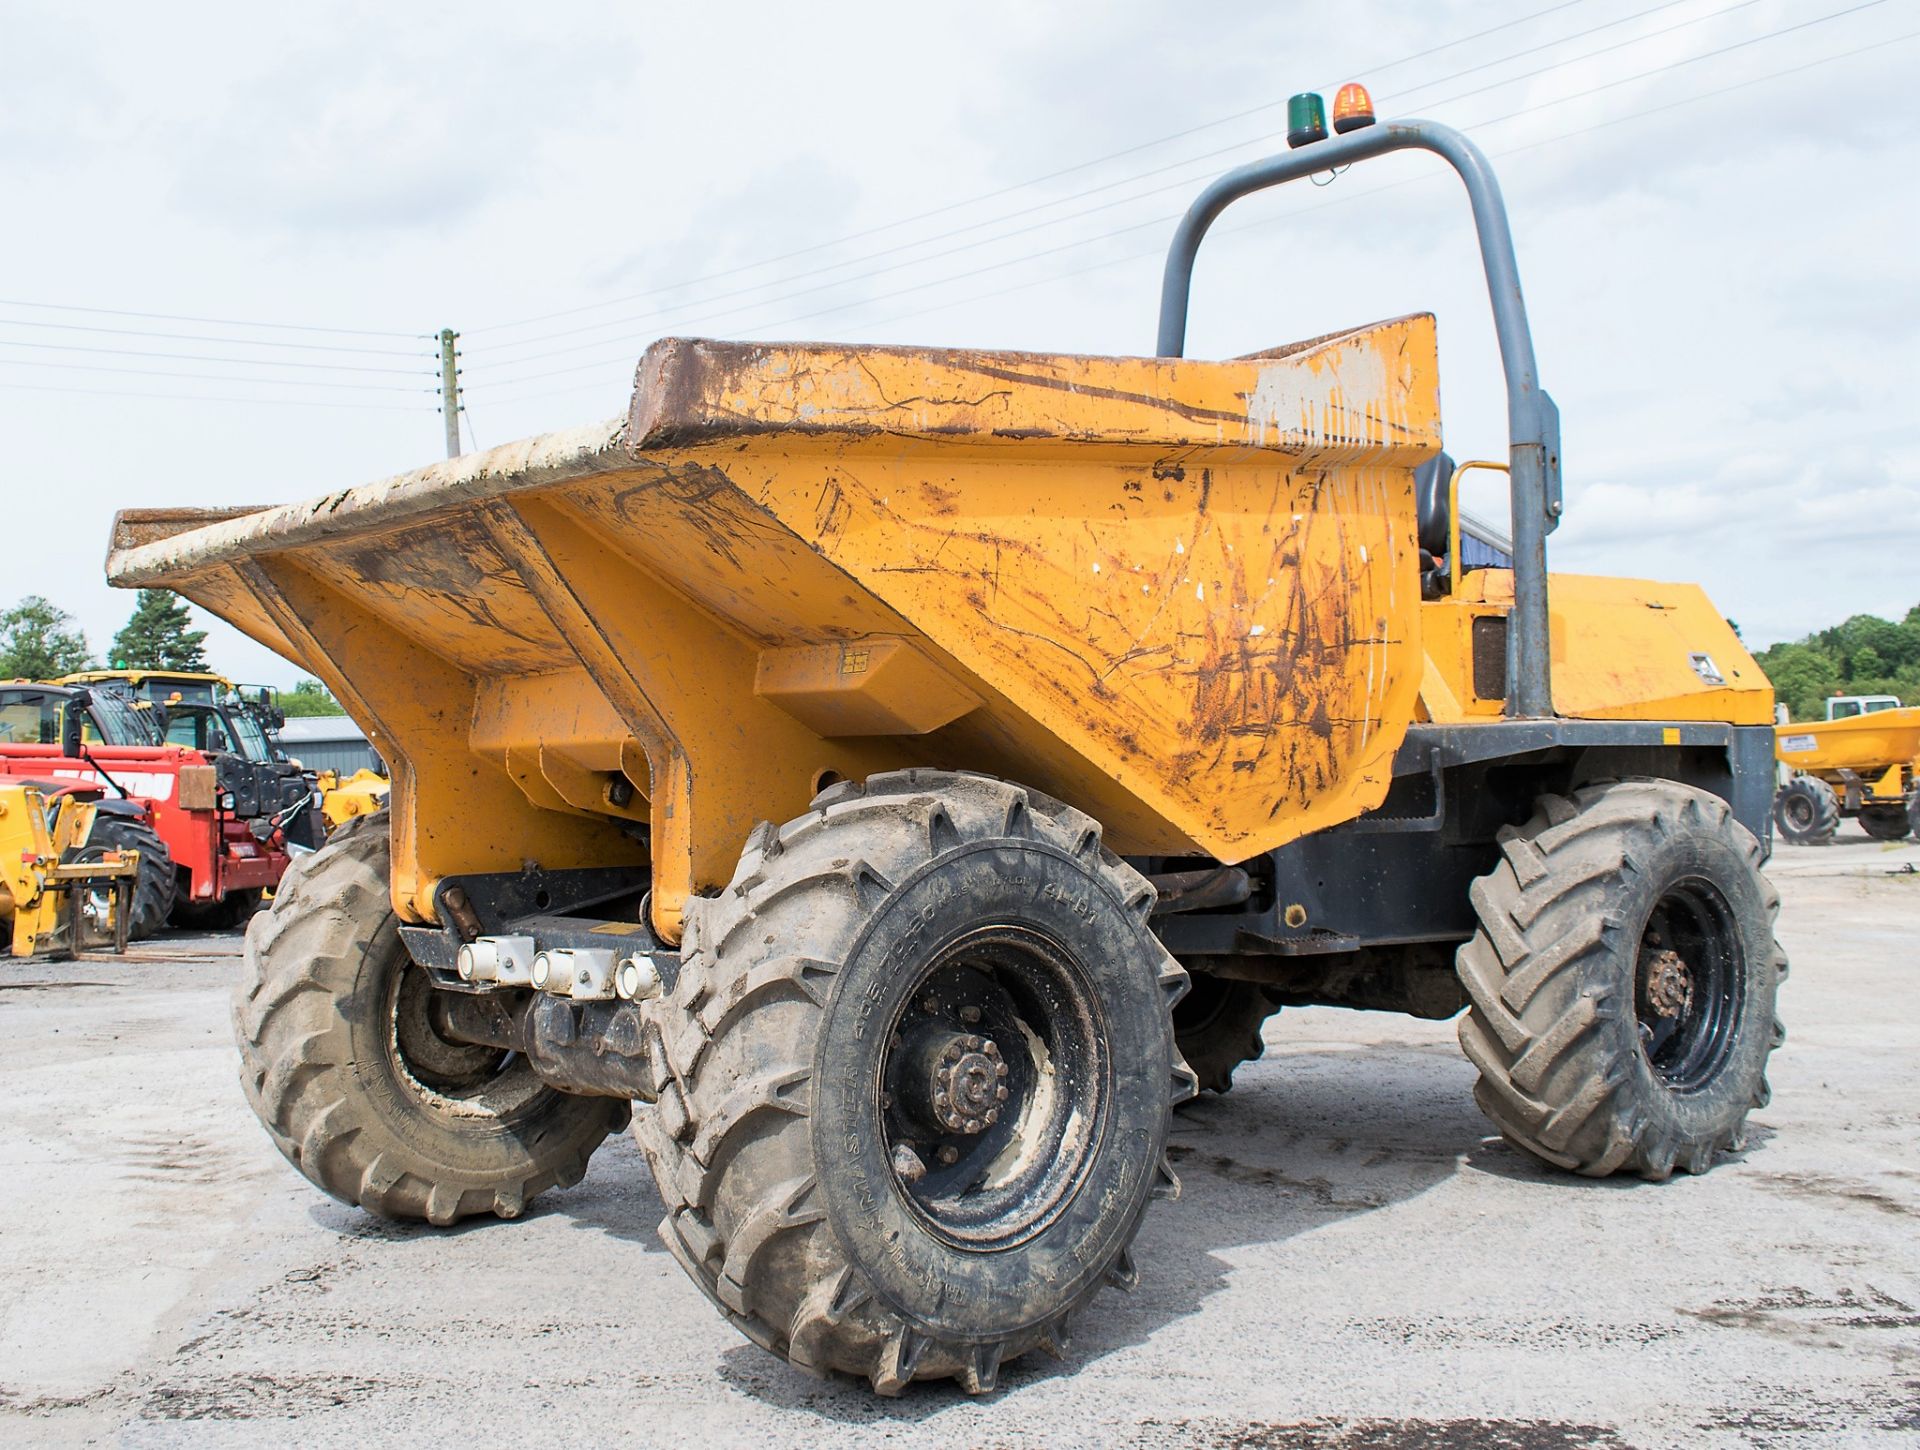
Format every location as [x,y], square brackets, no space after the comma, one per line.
[1355,1262]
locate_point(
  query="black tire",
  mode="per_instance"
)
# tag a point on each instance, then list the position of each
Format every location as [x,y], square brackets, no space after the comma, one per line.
[1622,983]
[1806,811]
[153,886]
[845,938]
[1885,823]
[234,909]
[341,1064]
[1217,1028]
[1913,813]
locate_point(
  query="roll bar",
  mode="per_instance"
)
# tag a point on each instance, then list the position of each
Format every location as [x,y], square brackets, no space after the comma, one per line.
[1533,423]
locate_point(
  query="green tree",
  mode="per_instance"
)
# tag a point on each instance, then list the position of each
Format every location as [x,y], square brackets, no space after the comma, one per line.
[39,640]
[157,637]
[309,697]
[1802,678]
[1865,664]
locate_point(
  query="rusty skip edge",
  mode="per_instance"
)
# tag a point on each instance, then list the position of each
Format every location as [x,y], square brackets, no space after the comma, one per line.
[674,406]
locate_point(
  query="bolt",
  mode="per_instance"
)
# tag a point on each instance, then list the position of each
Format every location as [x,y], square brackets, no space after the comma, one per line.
[973,1125]
[949,1155]
[1000,1070]
[929,1004]
[973,1044]
[969,1015]
[1000,1094]
[939,1100]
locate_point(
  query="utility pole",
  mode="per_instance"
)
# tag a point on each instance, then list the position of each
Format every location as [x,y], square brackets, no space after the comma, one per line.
[450,390]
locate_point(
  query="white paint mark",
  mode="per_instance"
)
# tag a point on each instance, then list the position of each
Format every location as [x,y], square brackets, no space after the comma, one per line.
[1258,629]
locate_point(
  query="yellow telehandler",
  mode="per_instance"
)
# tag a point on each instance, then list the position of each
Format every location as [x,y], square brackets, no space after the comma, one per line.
[899,776]
[61,891]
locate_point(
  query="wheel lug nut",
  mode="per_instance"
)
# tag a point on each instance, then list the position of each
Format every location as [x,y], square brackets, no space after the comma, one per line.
[973,1125]
[973,1044]
[999,1096]
[999,1069]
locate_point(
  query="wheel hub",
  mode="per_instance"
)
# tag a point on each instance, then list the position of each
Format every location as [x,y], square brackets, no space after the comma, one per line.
[969,1084]
[1669,984]
[992,1091]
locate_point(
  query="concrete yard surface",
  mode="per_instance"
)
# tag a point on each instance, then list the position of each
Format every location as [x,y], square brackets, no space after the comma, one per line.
[1355,1261]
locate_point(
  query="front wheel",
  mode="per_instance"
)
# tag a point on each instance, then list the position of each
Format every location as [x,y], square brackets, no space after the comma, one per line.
[917,1077]
[153,883]
[1622,980]
[345,1066]
[1806,811]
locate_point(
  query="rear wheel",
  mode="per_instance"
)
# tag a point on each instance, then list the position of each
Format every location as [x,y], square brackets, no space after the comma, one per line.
[1886,823]
[344,1064]
[153,887]
[1806,811]
[1622,981]
[916,1081]
[1217,1028]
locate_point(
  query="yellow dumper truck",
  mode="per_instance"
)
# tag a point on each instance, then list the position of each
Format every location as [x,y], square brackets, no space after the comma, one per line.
[896,776]
[1859,763]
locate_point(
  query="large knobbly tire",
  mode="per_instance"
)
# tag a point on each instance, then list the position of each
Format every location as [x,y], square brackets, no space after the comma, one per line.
[1885,823]
[1806,811]
[1217,1028]
[1622,982]
[340,1061]
[783,1142]
[153,885]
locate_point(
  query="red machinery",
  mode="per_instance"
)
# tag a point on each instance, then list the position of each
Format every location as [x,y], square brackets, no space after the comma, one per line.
[221,821]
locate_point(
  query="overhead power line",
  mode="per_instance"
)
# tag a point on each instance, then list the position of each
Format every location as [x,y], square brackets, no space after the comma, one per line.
[210,337]
[1055,278]
[41,364]
[208,321]
[204,398]
[1180,184]
[953,206]
[1159,220]
[1051,203]
[209,357]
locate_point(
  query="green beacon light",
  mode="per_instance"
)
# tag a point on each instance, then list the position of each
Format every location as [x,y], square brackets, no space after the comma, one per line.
[1306,119]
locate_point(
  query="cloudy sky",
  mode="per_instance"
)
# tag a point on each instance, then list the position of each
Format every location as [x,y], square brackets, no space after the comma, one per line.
[229,229]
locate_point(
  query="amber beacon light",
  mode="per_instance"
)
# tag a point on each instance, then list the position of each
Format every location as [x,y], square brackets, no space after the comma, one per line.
[1352,108]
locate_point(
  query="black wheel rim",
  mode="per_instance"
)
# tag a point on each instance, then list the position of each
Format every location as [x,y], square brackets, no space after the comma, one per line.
[993,1094]
[1689,988]
[1796,812]
[444,1074]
